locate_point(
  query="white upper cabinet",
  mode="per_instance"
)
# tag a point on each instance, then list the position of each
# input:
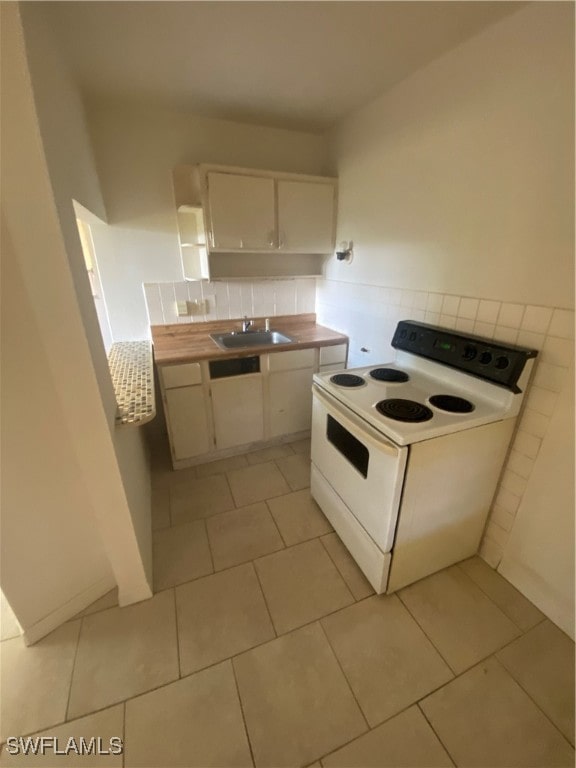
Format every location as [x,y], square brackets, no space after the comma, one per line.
[241,212]
[283,224]
[306,221]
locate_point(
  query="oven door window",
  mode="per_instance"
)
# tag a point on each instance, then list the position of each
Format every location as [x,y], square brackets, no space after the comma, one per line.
[348,445]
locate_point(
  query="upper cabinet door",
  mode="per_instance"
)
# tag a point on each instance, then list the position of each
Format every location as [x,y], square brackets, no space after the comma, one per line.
[242,215]
[306,222]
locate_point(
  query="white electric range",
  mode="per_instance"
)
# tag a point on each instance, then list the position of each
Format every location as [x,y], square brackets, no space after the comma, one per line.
[406,455]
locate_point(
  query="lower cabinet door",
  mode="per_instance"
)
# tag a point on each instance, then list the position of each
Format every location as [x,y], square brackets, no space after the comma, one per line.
[187,420]
[238,408]
[290,401]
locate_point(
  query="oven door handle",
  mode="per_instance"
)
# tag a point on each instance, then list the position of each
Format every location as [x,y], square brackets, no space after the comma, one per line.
[354,424]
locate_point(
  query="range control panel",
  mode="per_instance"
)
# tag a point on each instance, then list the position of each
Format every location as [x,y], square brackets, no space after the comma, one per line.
[479,357]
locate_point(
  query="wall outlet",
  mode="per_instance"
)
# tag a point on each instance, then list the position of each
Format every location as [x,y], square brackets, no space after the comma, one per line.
[182,308]
[209,304]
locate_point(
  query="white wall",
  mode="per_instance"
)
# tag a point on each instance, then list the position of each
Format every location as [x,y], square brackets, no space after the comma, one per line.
[67,529]
[457,188]
[539,557]
[52,553]
[460,180]
[136,148]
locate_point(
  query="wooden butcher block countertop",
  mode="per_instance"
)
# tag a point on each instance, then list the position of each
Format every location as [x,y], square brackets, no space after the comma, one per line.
[191,342]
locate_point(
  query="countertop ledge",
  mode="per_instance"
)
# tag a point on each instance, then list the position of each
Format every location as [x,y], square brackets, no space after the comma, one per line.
[132,374]
[191,342]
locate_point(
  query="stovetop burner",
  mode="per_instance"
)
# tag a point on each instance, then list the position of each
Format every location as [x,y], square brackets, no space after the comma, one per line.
[347,380]
[452,404]
[389,374]
[404,410]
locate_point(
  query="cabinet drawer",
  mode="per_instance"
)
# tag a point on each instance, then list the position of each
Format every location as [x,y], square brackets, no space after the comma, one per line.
[333,354]
[290,361]
[181,375]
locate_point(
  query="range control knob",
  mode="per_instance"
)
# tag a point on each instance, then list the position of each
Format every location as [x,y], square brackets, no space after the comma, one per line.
[502,362]
[470,352]
[485,358]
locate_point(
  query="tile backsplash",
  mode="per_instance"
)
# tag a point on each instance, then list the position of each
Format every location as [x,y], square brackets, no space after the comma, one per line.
[369,314]
[230,299]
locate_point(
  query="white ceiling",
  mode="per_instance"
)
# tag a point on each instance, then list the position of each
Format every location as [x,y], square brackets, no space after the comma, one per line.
[302,65]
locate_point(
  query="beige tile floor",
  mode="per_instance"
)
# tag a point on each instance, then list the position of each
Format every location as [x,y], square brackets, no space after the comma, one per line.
[264,645]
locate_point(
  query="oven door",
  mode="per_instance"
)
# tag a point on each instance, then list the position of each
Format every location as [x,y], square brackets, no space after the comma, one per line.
[364,468]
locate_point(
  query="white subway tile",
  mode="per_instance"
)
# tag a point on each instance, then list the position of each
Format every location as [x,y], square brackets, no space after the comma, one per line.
[533,423]
[448,321]
[468,308]
[285,297]
[536,319]
[305,296]
[407,298]
[491,552]
[488,311]
[520,464]
[527,444]
[153,303]
[514,483]
[168,302]
[542,400]
[510,315]
[497,534]
[219,290]
[194,290]
[550,377]
[420,300]
[394,297]
[562,324]
[558,351]
[434,303]
[450,305]
[464,325]
[530,339]
[484,329]
[263,298]
[432,317]
[416,314]
[508,500]
[505,335]
[181,294]
[502,517]
[247,299]
[209,298]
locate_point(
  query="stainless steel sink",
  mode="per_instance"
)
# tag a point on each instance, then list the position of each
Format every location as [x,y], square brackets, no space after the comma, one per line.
[243,339]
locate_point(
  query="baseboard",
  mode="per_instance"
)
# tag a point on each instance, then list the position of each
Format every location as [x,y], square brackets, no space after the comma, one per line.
[67,611]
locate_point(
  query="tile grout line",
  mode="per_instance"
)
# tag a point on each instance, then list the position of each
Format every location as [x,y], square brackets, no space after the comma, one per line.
[73,669]
[335,564]
[177,633]
[450,667]
[524,631]
[532,699]
[253,562]
[275,523]
[242,711]
[417,704]
[340,667]
[209,544]
[124,735]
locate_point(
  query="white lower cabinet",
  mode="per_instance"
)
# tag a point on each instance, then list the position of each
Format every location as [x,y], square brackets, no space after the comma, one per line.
[186,416]
[290,401]
[290,390]
[216,406]
[238,410]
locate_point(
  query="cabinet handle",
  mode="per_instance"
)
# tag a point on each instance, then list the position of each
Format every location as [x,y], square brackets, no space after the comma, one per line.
[211,233]
[280,239]
[271,238]
[241,243]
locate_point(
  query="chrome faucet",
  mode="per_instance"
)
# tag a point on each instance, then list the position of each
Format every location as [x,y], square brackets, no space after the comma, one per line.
[246,324]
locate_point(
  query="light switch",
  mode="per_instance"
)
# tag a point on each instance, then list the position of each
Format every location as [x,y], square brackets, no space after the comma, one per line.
[182,308]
